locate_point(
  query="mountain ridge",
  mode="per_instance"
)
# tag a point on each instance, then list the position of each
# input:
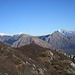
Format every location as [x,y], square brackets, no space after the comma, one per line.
[60,39]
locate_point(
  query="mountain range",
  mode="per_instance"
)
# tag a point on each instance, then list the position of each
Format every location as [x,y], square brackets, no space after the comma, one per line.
[60,39]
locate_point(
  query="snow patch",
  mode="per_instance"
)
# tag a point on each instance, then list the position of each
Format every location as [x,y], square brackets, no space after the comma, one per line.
[4,34]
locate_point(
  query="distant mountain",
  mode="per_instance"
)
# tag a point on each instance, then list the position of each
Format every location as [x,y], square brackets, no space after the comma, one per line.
[34,60]
[61,39]
[23,39]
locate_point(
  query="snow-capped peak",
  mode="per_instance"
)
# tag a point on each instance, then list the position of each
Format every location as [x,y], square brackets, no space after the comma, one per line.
[62,31]
[67,33]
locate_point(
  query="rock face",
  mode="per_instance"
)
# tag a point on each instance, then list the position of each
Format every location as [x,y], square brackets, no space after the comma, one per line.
[34,60]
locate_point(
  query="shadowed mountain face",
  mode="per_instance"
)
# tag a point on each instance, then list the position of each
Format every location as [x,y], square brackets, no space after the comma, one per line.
[34,60]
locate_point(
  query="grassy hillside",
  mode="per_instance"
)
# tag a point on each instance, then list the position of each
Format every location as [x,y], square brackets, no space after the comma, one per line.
[34,60]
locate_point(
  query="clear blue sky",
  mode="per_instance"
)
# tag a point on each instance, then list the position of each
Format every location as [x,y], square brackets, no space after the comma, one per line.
[36,17]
